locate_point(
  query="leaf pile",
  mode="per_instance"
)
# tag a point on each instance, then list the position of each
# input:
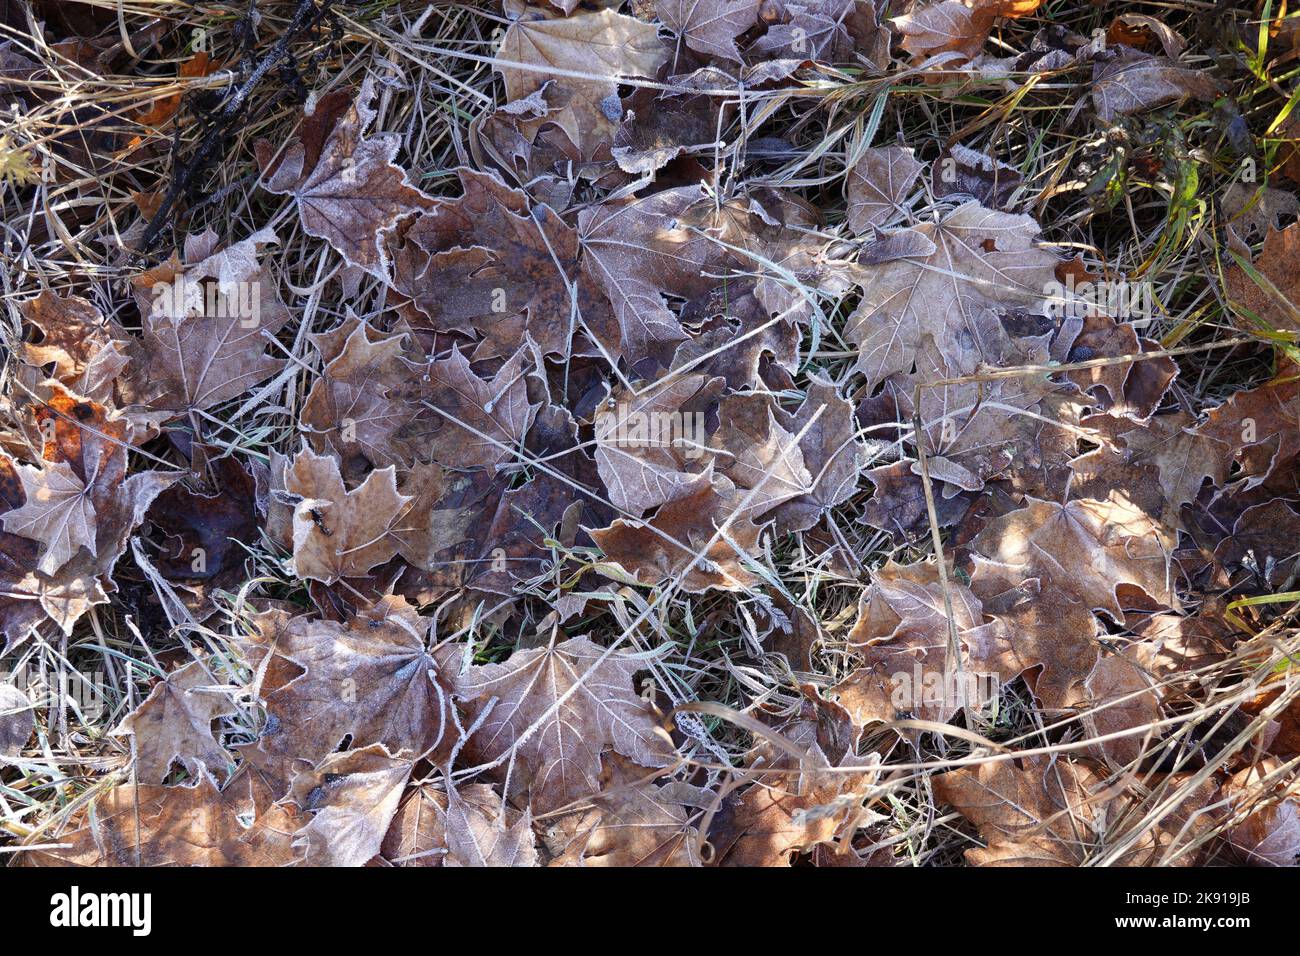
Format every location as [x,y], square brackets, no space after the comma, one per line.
[617,485]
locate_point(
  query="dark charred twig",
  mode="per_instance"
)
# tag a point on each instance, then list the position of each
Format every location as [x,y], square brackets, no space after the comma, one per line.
[279,58]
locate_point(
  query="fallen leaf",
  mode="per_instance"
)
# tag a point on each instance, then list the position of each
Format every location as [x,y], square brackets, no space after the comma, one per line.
[371,681]
[352,797]
[174,725]
[982,260]
[557,709]
[339,533]
[207,324]
[605,47]
[346,187]
[877,184]
[709,26]
[58,513]
[1133,82]
[1047,811]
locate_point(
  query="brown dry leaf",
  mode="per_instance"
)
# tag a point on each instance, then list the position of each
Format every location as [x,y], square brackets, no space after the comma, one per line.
[1133,82]
[709,26]
[347,189]
[954,25]
[86,351]
[1272,296]
[493,265]
[639,250]
[472,827]
[17,721]
[83,435]
[1258,427]
[651,448]
[831,453]
[633,821]
[1041,811]
[605,47]
[196,825]
[1044,569]
[418,834]
[780,815]
[174,725]
[58,513]
[358,407]
[207,325]
[1269,835]
[371,680]
[1119,696]
[483,421]
[829,30]
[1159,465]
[967,172]
[877,184]
[339,533]
[690,541]
[982,260]
[557,709]
[353,797]
[482,831]
[758,454]
[902,637]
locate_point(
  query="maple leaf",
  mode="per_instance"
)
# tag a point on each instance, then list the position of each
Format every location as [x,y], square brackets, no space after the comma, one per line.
[17,721]
[557,709]
[648,451]
[1159,465]
[1258,426]
[470,827]
[59,513]
[339,533]
[832,30]
[347,189]
[84,436]
[902,630]
[493,265]
[86,351]
[196,825]
[604,47]
[482,831]
[758,454]
[1269,834]
[418,834]
[982,259]
[831,454]
[174,725]
[1134,82]
[698,541]
[956,26]
[1118,696]
[1272,294]
[359,407]
[1045,811]
[353,796]
[877,184]
[709,26]
[781,815]
[371,680]
[206,324]
[1043,569]
[633,821]
[483,420]
[636,250]
[967,172]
